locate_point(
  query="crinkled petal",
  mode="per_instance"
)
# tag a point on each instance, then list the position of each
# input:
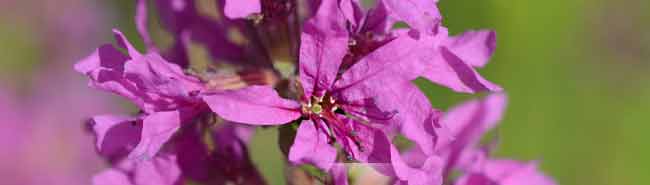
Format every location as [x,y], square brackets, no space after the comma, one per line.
[152,74]
[310,146]
[257,105]
[149,81]
[447,69]
[412,112]
[157,129]
[387,63]
[473,47]
[242,8]
[422,15]
[324,43]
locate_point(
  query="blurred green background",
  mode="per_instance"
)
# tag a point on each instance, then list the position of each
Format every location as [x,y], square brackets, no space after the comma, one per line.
[577,74]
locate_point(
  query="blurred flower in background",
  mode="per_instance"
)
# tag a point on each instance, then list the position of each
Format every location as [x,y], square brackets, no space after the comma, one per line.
[44,102]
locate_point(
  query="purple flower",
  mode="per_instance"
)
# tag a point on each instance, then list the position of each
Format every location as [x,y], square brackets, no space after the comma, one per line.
[161,170]
[188,157]
[323,97]
[182,19]
[166,96]
[467,124]
[505,172]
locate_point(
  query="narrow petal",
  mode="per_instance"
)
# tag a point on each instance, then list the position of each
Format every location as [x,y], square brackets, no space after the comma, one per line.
[352,12]
[447,69]
[310,147]
[257,105]
[157,129]
[241,8]
[324,43]
[141,23]
[123,42]
[473,47]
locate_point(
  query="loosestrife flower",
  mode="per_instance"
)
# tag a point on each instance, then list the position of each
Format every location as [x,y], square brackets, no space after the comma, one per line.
[333,76]
[467,123]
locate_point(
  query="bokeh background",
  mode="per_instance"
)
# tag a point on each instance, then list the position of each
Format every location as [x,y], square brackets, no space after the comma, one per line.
[577,73]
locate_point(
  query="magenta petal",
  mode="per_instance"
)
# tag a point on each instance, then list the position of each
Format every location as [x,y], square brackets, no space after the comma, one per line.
[241,8]
[385,158]
[422,15]
[473,47]
[324,43]
[124,43]
[311,147]
[157,129]
[447,69]
[152,74]
[506,172]
[111,177]
[116,136]
[256,105]
[468,123]
[141,24]
[386,64]
[339,174]
[162,170]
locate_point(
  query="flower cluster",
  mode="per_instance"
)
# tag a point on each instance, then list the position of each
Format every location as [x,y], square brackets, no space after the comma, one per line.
[333,76]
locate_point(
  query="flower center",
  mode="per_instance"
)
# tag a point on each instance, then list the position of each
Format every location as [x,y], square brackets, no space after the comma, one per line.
[317,106]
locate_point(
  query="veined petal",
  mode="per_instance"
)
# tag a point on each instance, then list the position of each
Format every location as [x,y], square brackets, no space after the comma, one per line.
[324,43]
[422,15]
[310,147]
[447,69]
[385,64]
[152,74]
[256,105]
[473,47]
[242,8]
